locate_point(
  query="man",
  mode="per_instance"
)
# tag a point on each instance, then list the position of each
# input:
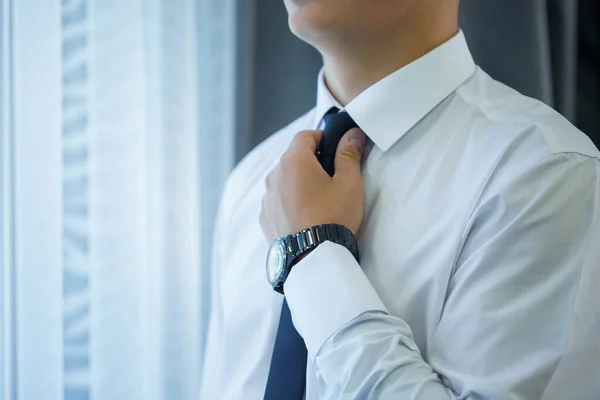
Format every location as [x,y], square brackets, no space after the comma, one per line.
[476,212]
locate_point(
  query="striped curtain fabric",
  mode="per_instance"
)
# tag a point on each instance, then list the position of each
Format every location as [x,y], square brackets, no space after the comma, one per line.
[116,138]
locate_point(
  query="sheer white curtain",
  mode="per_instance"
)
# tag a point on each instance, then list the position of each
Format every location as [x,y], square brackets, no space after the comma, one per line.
[116,136]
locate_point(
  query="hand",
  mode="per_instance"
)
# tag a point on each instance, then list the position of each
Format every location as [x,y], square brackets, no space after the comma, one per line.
[300,194]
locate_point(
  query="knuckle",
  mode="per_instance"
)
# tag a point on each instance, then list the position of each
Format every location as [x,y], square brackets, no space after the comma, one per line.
[268,181]
[305,138]
[288,160]
[351,151]
[304,135]
[262,220]
[263,226]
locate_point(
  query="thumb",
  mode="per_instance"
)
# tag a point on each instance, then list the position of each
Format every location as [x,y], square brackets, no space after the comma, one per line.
[350,151]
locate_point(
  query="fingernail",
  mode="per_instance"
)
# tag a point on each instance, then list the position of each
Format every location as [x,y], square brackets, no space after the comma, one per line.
[357,138]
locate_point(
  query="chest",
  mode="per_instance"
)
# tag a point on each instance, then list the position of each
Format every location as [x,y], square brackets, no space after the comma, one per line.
[409,240]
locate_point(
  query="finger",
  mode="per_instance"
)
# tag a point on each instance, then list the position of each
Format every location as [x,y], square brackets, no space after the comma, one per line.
[349,152]
[264,221]
[306,141]
[269,180]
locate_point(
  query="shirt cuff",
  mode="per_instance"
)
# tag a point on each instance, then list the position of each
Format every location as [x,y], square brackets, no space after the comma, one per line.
[325,291]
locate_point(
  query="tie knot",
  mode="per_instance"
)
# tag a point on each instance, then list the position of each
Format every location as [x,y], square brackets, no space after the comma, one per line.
[336,125]
[335,120]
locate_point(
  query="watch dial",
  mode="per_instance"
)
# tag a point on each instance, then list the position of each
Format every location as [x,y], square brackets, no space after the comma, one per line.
[275,261]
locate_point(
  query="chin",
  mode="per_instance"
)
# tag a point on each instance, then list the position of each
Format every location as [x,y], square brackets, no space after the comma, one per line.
[311,19]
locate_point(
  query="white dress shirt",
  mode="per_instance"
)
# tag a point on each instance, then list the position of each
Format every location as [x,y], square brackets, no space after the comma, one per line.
[479,275]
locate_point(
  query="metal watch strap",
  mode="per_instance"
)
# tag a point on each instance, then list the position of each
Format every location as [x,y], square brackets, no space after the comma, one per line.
[308,239]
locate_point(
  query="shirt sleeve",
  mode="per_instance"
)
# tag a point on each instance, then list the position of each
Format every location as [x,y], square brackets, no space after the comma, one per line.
[522,313]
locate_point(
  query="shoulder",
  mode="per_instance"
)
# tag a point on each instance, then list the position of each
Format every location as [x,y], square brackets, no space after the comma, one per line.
[533,157]
[520,124]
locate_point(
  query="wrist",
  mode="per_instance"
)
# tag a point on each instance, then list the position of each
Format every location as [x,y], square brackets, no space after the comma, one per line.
[287,251]
[301,256]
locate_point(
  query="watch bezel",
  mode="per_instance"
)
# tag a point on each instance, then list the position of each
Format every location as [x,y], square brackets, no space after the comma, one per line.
[277,245]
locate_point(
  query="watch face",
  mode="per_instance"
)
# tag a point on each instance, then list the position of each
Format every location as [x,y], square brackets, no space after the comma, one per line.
[276,261]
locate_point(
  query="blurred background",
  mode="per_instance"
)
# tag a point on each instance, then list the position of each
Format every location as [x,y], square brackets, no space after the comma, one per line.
[119,123]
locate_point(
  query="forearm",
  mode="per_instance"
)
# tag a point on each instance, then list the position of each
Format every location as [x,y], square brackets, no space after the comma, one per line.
[358,349]
[374,357]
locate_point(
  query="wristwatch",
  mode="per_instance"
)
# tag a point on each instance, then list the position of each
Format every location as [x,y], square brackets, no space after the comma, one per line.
[285,251]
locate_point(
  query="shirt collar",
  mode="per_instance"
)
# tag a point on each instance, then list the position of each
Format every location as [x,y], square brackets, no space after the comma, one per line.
[387,110]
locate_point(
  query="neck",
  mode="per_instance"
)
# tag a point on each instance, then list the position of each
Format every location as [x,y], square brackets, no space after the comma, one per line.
[351,69]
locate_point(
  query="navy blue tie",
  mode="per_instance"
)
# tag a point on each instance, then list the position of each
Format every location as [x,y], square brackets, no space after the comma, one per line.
[287,375]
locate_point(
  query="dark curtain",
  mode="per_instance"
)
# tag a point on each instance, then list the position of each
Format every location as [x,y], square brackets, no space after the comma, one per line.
[277,74]
[548,49]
